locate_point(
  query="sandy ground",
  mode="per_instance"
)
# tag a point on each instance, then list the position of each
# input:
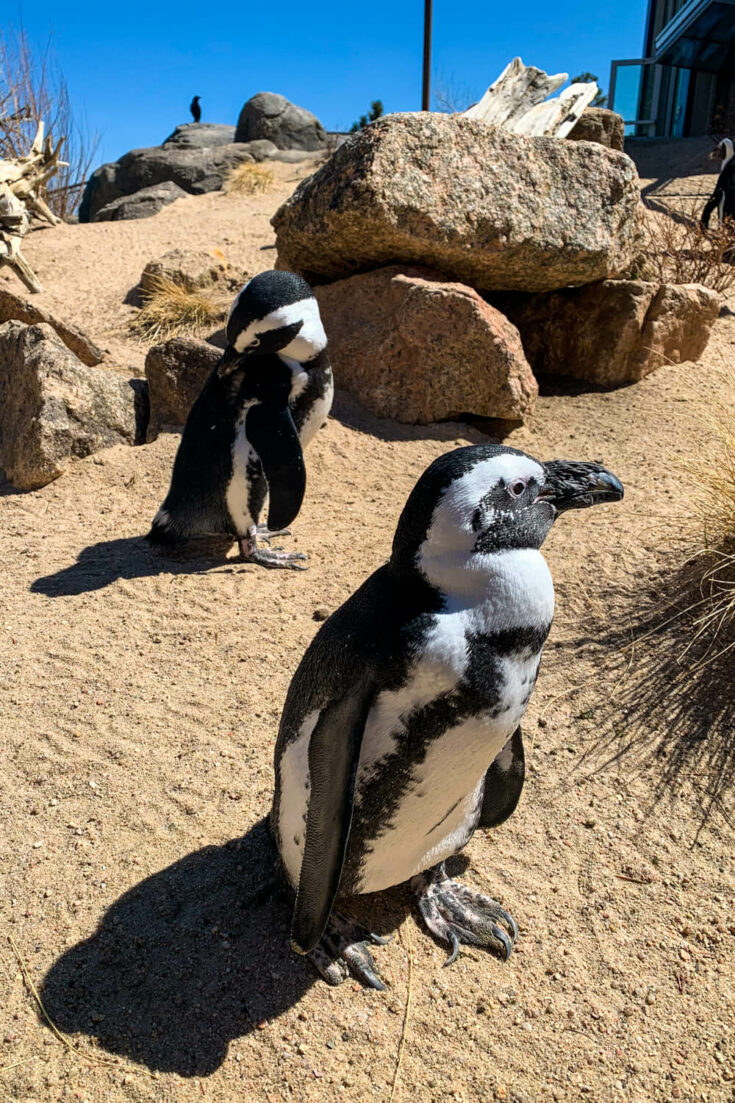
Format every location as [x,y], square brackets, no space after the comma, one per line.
[141,697]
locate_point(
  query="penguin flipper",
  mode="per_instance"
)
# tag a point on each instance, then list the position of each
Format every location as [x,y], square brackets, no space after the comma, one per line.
[334,751]
[504,782]
[711,205]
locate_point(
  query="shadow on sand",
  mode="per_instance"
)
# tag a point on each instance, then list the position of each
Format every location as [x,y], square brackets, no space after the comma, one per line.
[477,430]
[101,564]
[187,960]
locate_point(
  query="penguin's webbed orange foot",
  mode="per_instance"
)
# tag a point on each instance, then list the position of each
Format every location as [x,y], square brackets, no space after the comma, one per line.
[455,913]
[343,951]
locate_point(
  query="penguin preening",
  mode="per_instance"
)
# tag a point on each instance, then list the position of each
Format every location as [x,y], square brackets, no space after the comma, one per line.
[723,197]
[401,734]
[195,108]
[245,434]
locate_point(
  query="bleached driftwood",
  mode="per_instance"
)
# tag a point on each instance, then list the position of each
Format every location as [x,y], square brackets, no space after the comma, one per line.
[22,181]
[518,88]
[517,101]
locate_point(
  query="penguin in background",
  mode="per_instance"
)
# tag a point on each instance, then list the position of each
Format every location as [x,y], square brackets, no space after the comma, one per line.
[722,199]
[400,734]
[196,110]
[245,434]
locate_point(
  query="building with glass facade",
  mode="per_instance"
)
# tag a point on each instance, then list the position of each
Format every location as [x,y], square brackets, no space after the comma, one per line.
[684,85]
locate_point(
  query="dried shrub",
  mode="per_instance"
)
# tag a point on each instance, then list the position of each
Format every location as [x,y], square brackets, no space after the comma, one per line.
[676,248]
[249,179]
[170,310]
[33,90]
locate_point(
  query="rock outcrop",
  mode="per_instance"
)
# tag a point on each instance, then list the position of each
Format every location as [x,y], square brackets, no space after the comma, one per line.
[486,207]
[192,269]
[13,308]
[194,170]
[413,346]
[269,115]
[141,204]
[613,332]
[598,124]
[200,135]
[53,407]
[176,372]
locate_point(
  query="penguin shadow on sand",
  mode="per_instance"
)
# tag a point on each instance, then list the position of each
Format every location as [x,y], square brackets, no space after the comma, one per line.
[99,565]
[190,958]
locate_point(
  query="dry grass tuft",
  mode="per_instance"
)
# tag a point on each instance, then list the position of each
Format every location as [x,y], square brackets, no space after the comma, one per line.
[676,248]
[170,310]
[249,179]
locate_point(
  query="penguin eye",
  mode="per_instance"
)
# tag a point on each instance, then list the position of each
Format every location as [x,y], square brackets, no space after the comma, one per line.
[516,488]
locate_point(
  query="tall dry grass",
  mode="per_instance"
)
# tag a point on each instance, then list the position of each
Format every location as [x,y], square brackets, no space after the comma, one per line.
[676,248]
[249,179]
[33,90]
[170,310]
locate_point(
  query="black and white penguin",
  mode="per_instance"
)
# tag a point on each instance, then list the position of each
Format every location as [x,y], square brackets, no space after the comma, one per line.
[401,734]
[723,197]
[196,110]
[245,434]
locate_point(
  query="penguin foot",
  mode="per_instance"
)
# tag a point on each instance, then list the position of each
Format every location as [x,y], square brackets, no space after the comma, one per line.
[455,913]
[289,561]
[265,533]
[343,950]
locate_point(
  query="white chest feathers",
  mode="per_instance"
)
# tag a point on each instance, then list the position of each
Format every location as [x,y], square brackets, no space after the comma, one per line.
[428,744]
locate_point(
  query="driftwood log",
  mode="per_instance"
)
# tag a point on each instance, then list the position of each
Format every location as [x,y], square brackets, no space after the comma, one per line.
[22,182]
[517,101]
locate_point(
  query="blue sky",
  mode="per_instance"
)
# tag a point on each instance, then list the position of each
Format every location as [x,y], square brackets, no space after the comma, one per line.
[133,67]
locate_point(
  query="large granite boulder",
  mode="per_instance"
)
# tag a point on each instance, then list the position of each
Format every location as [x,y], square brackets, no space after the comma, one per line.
[195,171]
[486,207]
[53,407]
[613,332]
[176,372]
[13,308]
[268,115]
[413,346]
[598,124]
[200,135]
[141,204]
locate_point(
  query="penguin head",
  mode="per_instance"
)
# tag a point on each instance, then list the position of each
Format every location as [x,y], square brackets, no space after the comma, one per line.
[275,312]
[477,501]
[724,151]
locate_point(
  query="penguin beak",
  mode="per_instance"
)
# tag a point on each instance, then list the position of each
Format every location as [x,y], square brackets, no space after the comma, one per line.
[573,485]
[229,361]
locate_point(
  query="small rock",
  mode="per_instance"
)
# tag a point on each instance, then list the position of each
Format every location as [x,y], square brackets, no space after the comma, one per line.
[320,613]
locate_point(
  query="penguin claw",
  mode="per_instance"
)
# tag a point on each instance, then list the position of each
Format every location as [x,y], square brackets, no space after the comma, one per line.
[343,951]
[456,913]
[288,561]
[264,533]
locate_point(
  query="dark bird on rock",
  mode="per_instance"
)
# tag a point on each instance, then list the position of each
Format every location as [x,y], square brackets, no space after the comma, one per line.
[195,109]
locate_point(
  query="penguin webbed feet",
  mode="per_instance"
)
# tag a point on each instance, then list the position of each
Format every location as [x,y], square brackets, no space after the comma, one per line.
[455,913]
[270,557]
[264,533]
[343,951]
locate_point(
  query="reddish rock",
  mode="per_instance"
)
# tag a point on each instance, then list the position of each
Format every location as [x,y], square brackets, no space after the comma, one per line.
[613,332]
[176,372]
[415,347]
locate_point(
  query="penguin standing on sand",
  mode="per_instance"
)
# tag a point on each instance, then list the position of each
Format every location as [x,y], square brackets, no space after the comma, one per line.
[400,734]
[723,197]
[245,434]
[195,108]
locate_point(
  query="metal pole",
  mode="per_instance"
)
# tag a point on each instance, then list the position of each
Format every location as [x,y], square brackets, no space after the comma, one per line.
[426,87]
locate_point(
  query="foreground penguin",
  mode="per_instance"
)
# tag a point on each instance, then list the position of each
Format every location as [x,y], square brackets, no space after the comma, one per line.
[400,733]
[245,434]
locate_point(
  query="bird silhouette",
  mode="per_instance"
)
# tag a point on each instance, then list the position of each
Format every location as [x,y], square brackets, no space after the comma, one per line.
[195,109]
